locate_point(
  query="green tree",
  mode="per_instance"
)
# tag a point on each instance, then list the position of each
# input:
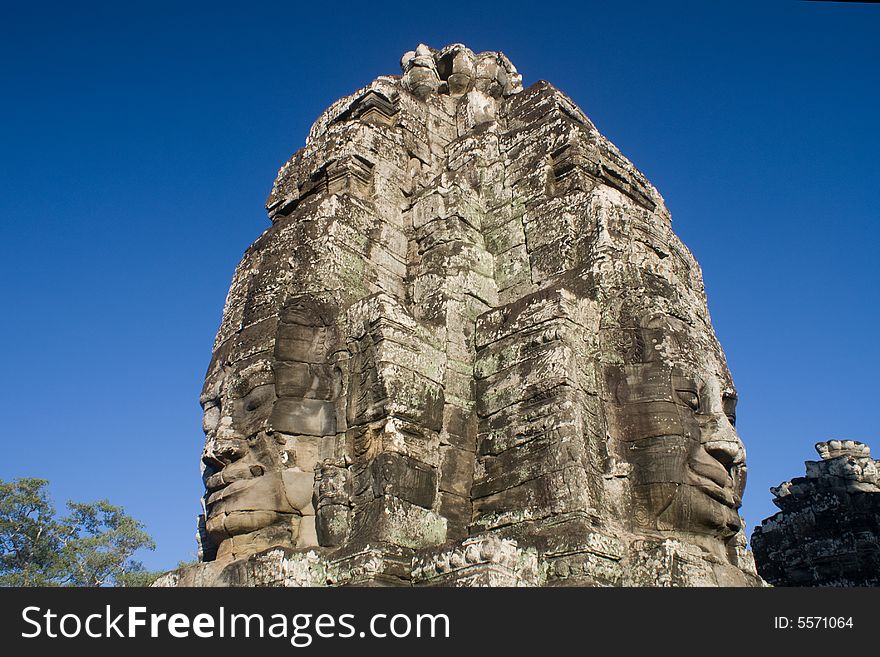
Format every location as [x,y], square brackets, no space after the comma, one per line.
[93,545]
[29,537]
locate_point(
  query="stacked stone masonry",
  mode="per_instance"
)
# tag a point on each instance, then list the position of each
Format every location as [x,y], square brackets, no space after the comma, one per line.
[827,532]
[469,350]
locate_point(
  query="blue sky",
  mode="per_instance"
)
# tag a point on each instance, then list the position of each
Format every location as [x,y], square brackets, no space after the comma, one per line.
[138,142]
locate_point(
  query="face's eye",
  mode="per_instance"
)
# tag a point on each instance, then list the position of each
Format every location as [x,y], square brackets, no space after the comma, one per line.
[728,403]
[689,397]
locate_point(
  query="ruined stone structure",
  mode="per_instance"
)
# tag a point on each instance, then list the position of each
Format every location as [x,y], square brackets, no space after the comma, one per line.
[468,351]
[828,530]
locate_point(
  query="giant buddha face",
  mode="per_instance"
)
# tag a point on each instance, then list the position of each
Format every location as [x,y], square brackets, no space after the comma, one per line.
[673,405]
[265,412]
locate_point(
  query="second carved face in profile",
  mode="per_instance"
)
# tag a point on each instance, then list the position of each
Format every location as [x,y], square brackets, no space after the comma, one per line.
[674,412]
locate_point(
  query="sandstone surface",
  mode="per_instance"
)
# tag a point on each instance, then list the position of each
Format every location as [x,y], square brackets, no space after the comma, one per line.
[469,350]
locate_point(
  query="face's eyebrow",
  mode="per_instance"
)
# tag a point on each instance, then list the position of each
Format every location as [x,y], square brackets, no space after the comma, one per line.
[684,383]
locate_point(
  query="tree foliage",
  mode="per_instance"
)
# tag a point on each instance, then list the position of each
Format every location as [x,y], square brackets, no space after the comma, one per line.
[93,545]
[29,540]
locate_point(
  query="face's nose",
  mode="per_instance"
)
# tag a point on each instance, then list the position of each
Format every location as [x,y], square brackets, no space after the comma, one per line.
[728,452]
[220,451]
[719,437]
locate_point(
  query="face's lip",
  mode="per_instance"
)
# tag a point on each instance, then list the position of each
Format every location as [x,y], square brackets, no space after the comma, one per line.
[723,494]
[707,467]
[234,473]
[713,480]
[230,490]
[215,482]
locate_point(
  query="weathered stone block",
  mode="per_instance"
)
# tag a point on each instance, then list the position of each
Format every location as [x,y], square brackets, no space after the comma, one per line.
[403,477]
[312,417]
[389,519]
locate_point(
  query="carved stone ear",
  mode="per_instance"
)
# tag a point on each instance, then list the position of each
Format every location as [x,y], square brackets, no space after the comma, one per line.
[616,384]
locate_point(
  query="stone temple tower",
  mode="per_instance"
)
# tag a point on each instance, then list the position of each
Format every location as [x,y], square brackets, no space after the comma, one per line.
[469,350]
[827,532]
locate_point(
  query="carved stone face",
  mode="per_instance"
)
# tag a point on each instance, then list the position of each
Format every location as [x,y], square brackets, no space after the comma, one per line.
[257,461]
[675,415]
[243,464]
[464,320]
